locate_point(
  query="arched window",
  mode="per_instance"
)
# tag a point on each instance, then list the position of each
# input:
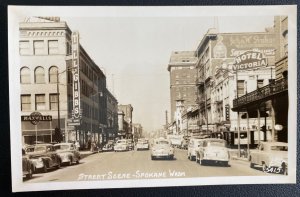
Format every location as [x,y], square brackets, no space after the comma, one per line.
[53,70]
[25,75]
[39,75]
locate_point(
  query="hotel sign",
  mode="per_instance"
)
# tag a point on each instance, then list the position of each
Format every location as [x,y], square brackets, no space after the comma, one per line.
[250,60]
[76,113]
[36,117]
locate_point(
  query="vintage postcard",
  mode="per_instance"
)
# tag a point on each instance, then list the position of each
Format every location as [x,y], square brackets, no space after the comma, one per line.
[117,97]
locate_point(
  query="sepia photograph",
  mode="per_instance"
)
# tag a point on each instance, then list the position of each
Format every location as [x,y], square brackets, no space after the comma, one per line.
[122,97]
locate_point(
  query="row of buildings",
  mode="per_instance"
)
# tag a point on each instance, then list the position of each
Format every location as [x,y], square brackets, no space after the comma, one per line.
[233,86]
[63,91]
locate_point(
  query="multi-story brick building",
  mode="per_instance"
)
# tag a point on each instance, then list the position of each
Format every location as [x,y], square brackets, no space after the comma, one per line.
[49,52]
[183,75]
[112,116]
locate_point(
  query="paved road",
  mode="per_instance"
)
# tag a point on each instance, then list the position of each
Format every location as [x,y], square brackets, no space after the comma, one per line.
[138,164]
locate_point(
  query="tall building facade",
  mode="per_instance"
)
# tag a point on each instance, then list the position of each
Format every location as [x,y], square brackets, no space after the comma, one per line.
[52,63]
[183,75]
[112,115]
[220,81]
[125,111]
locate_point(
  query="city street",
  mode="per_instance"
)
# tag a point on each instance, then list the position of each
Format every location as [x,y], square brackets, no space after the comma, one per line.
[138,165]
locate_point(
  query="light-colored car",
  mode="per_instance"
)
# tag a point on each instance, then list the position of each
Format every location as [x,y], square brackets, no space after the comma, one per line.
[27,165]
[194,143]
[142,144]
[162,149]
[121,145]
[213,150]
[67,153]
[272,156]
[108,147]
[44,157]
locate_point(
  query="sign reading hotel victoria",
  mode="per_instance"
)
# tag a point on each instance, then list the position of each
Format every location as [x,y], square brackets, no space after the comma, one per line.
[76,113]
[250,60]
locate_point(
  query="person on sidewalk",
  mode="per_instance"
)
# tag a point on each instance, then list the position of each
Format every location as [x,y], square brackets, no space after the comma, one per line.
[77,145]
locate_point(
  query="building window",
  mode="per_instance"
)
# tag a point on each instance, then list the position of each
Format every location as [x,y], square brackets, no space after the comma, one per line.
[40,103]
[39,75]
[53,99]
[53,46]
[25,102]
[24,48]
[53,74]
[241,87]
[38,47]
[25,75]
[260,83]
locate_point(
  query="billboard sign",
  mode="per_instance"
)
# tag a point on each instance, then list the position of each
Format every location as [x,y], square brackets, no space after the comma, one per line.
[76,113]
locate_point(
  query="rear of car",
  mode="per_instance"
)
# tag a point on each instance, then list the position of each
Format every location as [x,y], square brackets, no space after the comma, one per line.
[213,150]
[162,149]
[142,145]
[121,145]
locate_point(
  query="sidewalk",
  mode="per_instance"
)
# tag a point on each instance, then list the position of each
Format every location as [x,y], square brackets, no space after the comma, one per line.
[234,156]
[86,153]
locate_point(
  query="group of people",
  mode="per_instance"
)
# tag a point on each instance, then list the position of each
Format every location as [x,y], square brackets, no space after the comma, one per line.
[92,146]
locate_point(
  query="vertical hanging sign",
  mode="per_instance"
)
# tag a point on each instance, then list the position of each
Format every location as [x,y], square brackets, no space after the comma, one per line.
[76,113]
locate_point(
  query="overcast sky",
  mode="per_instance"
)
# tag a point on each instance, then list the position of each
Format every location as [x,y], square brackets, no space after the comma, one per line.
[134,53]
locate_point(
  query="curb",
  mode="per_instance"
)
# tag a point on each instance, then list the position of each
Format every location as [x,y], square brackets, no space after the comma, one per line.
[86,154]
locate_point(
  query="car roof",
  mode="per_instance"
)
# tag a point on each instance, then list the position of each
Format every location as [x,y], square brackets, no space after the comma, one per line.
[65,143]
[275,143]
[44,144]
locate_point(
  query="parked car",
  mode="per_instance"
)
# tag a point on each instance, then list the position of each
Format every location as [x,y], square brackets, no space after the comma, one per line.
[67,152]
[27,165]
[214,150]
[29,148]
[272,156]
[192,146]
[162,149]
[121,145]
[142,144]
[108,147]
[44,157]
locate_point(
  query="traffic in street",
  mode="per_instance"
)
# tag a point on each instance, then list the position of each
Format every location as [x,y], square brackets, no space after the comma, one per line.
[138,164]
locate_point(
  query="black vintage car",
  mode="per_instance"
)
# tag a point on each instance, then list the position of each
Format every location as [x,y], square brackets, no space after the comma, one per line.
[44,157]
[27,165]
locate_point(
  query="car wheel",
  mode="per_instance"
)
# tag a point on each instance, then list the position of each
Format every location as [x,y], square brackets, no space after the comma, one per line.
[58,164]
[77,162]
[264,167]
[171,157]
[201,162]
[189,157]
[45,168]
[225,163]
[152,158]
[70,162]
[29,175]
[284,169]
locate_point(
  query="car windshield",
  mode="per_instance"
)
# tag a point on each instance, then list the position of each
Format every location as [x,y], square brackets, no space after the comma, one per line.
[39,148]
[121,142]
[162,142]
[279,148]
[62,147]
[216,143]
